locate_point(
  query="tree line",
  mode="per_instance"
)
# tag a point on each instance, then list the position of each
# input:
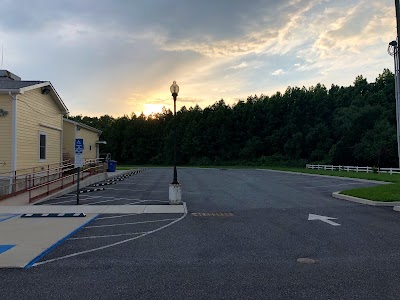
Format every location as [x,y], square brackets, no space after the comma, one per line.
[354,125]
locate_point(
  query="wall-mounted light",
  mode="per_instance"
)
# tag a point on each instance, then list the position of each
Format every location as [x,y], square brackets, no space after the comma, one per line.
[78,127]
[3,112]
[45,90]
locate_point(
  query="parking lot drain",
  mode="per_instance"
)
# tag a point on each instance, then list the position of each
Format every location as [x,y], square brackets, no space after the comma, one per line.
[306,261]
[213,214]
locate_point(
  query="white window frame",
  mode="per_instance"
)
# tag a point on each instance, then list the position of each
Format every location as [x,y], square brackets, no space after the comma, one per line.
[45,147]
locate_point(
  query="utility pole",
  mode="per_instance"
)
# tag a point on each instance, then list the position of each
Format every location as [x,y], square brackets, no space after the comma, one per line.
[397,76]
[396,3]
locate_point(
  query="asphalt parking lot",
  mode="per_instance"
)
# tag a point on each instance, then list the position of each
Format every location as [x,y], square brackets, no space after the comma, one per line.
[133,188]
[246,235]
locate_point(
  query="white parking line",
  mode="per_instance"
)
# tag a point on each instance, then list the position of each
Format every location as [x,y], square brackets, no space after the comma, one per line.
[127,190]
[106,236]
[315,187]
[150,200]
[133,201]
[113,217]
[131,183]
[110,200]
[133,223]
[136,199]
[65,196]
[82,197]
[113,244]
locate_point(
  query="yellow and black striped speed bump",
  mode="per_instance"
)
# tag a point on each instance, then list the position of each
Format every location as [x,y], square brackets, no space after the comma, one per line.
[103,184]
[61,215]
[213,214]
[91,190]
[115,179]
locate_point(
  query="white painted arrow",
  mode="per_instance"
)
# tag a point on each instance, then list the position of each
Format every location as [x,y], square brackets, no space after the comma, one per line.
[312,217]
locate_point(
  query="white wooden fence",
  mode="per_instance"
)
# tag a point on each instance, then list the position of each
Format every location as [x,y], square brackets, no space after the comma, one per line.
[354,169]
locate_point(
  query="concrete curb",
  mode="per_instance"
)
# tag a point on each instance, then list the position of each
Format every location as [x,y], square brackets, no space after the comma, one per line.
[118,174]
[95,209]
[337,195]
[328,176]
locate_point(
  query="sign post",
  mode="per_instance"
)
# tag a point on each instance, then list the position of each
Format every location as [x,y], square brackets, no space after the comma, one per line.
[78,163]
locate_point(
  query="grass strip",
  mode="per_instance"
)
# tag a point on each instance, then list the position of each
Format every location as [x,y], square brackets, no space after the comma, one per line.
[383,193]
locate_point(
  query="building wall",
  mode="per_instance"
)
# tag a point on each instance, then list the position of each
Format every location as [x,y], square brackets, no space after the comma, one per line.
[5,134]
[38,113]
[68,140]
[89,140]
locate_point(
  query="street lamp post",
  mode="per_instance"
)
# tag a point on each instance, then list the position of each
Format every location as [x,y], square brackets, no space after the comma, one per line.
[395,46]
[175,189]
[393,50]
[174,91]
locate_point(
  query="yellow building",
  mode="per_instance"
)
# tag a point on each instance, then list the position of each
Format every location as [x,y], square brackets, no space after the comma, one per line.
[74,130]
[31,123]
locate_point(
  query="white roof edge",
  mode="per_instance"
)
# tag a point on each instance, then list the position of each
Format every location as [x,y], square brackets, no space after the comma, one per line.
[59,98]
[34,86]
[59,101]
[83,125]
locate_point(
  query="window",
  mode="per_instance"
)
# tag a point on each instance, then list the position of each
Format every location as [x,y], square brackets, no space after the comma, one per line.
[42,146]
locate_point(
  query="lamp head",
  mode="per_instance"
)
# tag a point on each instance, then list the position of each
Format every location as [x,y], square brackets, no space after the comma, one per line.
[174,89]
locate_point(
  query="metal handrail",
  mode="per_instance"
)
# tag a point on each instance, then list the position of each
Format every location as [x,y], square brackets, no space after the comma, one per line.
[49,191]
[33,169]
[28,182]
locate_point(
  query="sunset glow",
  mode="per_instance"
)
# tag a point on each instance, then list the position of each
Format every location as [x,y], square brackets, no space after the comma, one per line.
[125,62]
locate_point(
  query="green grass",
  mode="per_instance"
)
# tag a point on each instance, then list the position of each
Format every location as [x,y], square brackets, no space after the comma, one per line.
[384,193]
[395,178]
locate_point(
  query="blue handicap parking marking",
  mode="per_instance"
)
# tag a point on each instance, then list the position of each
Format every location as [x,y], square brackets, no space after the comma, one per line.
[6,217]
[4,248]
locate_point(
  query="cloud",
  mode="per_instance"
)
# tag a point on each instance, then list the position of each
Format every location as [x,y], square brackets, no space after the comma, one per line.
[277,18]
[117,56]
[278,72]
[240,66]
[350,37]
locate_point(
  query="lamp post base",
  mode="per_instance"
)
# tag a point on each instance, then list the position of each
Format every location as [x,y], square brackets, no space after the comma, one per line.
[175,194]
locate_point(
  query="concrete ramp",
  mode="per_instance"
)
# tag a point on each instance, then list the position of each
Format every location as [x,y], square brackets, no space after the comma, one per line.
[25,240]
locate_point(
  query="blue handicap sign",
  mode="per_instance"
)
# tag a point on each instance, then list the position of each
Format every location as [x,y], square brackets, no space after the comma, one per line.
[79,145]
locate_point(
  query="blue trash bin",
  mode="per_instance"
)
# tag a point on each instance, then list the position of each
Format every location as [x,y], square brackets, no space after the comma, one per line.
[112,164]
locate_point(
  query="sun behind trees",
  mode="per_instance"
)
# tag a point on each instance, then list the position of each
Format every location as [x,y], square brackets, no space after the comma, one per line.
[353,125]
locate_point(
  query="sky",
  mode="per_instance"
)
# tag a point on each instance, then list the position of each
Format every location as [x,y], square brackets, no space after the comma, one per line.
[119,57]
